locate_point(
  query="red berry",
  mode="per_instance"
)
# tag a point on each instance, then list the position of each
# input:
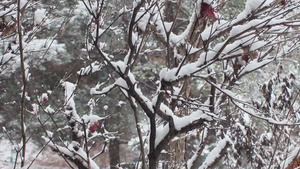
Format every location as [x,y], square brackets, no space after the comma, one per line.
[93,127]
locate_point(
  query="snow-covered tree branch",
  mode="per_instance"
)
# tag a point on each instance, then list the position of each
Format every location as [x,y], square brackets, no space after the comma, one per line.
[203,83]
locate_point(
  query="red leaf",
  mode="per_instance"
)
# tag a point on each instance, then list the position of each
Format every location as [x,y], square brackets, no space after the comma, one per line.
[245,58]
[207,10]
[198,133]
[239,66]
[93,127]
[45,100]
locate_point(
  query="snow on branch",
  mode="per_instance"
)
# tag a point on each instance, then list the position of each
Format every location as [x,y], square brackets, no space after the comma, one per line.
[70,109]
[181,122]
[251,111]
[254,65]
[252,7]
[290,159]
[105,90]
[93,67]
[91,118]
[204,135]
[69,95]
[74,153]
[216,153]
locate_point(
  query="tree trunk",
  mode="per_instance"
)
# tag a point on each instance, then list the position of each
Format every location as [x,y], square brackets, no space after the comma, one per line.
[114,153]
[152,161]
[177,153]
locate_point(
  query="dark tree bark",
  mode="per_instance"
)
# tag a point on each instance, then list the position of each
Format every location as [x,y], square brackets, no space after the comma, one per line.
[114,153]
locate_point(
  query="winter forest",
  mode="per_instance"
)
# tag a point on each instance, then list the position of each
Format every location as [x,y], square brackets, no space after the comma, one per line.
[146,84]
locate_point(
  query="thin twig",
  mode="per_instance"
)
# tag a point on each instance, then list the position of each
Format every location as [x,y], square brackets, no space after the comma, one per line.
[24,85]
[139,132]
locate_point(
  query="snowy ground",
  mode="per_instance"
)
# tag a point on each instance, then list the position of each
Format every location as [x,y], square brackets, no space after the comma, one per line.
[49,160]
[45,160]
